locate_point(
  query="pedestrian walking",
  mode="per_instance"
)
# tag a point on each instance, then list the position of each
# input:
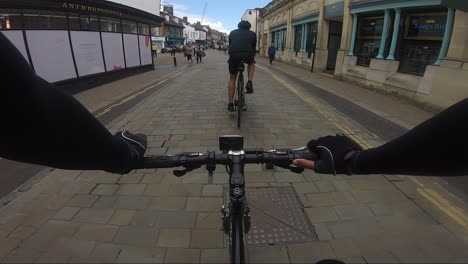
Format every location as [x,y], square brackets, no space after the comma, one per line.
[173,49]
[154,50]
[271,53]
[198,53]
[188,53]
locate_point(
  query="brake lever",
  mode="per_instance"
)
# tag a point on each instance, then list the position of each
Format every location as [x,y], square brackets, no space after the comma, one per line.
[180,173]
[292,168]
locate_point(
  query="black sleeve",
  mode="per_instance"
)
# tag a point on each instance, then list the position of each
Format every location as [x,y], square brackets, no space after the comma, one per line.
[438,146]
[254,42]
[43,125]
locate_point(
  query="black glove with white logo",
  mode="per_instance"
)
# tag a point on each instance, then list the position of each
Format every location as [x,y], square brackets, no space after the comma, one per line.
[335,154]
[137,144]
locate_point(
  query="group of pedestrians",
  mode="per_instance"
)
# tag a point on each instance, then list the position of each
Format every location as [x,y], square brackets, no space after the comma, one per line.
[194,50]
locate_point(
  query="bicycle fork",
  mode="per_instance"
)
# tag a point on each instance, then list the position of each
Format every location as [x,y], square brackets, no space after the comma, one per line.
[236,216]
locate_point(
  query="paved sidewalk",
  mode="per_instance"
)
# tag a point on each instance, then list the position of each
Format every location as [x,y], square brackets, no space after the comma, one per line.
[153,216]
[101,96]
[385,105]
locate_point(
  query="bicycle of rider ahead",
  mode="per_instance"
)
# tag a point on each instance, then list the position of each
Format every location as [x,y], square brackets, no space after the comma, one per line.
[235,214]
[239,102]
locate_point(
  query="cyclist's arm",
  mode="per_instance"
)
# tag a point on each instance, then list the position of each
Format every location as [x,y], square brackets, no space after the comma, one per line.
[439,146]
[43,125]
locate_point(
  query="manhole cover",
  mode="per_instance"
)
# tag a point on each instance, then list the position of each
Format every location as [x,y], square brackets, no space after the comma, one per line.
[276,217]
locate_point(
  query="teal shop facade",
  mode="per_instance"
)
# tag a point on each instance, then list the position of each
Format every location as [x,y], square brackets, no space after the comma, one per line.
[415,49]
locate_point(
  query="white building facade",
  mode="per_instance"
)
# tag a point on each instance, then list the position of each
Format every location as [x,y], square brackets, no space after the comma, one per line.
[189,33]
[253,16]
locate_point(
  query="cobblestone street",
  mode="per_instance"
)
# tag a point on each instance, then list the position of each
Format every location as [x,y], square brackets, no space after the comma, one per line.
[151,216]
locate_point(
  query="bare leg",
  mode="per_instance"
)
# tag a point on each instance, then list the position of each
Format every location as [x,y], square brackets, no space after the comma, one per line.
[251,70]
[231,87]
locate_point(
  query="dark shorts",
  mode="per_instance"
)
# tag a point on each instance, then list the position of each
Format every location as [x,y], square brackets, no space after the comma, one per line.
[235,59]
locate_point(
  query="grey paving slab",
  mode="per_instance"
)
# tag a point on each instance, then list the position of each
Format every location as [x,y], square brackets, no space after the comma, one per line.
[131,189]
[132,254]
[271,254]
[174,238]
[168,203]
[132,202]
[105,189]
[310,252]
[179,219]
[83,200]
[136,236]
[182,255]
[94,215]
[207,238]
[66,213]
[215,255]
[96,232]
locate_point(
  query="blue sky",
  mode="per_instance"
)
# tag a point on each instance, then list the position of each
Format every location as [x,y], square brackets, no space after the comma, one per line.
[222,15]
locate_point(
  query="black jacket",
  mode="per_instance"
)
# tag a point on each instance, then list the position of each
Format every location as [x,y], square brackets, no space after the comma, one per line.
[242,41]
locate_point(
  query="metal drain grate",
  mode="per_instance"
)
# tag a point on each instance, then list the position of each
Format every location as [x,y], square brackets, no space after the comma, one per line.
[277,217]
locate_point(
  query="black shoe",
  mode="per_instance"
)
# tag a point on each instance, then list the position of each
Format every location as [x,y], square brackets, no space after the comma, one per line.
[231,107]
[249,87]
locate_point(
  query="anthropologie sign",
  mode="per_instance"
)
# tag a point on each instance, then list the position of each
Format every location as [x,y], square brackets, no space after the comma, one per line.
[426,26]
[92,9]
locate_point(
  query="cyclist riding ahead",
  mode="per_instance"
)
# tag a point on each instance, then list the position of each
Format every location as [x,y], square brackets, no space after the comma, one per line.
[242,43]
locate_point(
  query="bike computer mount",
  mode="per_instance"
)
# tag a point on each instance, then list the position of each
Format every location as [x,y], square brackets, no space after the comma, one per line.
[231,142]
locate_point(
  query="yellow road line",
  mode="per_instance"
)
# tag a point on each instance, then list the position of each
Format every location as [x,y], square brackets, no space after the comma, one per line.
[454,212]
[431,195]
[335,122]
[136,94]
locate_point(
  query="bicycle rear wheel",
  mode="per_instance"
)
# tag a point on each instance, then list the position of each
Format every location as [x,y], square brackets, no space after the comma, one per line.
[240,97]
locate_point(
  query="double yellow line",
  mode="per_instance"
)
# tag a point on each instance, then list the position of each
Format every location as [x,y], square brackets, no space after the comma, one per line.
[108,109]
[454,212]
[330,118]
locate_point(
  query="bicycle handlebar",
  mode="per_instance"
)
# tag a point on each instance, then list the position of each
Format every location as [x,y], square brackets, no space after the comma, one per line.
[192,160]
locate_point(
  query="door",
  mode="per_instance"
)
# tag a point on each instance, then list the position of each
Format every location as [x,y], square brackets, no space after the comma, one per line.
[334,40]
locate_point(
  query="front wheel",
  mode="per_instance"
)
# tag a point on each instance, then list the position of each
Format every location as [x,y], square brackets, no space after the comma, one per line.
[237,243]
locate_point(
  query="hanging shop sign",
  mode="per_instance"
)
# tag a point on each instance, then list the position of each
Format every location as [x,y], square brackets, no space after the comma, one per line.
[425,26]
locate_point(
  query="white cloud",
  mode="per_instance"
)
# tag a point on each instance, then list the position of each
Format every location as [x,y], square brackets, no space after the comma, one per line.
[180,11]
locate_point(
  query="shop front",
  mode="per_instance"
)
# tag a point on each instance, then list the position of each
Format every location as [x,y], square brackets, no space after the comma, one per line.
[368,38]
[71,40]
[421,41]
[278,38]
[399,46]
[304,37]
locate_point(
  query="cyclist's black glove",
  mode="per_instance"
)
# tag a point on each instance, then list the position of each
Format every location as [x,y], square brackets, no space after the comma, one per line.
[335,154]
[137,144]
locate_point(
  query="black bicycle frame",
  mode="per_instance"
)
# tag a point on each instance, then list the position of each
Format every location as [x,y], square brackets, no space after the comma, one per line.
[237,205]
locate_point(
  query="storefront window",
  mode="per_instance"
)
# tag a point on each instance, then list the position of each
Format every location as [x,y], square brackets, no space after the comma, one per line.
[368,39]
[422,38]
[74,21]
[43,19]
[110,24]
[311,38]
[10,19]
[129,27]
[89,22]
[154,31]
[297,37]
[143,29]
